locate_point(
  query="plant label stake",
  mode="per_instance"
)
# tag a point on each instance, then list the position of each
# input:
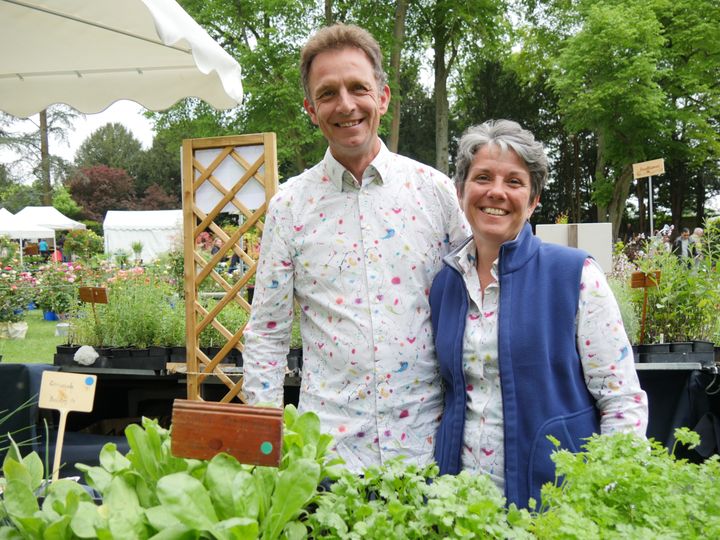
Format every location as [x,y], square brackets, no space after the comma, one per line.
[645,281]
[94,295]
[201,429]
[65,392]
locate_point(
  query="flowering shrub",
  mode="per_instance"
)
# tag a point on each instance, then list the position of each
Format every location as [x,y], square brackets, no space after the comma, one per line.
[57,287]
[16,292]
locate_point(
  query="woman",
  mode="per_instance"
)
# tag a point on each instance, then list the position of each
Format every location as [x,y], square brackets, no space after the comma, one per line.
[528,335]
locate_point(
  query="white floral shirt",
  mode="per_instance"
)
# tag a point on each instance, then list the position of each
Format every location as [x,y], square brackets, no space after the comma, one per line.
[605,354]
[359,258]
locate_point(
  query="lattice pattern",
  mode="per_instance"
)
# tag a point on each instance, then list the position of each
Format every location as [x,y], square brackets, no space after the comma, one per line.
[237,175]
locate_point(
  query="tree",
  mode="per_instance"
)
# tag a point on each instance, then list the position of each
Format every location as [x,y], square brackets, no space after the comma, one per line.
[30,143]
[450,27]
[64,203]
[100,188]
[160,166]
[155,198]
[112,145]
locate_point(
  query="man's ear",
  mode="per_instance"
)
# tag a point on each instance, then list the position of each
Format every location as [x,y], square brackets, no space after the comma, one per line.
[311,111]
[384,99]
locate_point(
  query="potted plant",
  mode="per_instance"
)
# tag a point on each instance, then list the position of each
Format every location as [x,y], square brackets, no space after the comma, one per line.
[16,292]
[137,248]
[57,286]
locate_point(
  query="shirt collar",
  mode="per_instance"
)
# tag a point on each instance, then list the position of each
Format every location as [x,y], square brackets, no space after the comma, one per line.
[343,180]
[465,259]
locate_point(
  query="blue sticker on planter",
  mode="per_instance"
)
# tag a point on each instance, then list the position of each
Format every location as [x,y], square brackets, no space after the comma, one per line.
[266,447]
[89,381]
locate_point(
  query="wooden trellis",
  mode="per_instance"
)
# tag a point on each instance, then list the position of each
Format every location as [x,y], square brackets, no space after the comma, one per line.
[236,175]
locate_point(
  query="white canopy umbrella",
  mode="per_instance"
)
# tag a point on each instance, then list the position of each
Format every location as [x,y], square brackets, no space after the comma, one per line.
[21,229]
[91,53]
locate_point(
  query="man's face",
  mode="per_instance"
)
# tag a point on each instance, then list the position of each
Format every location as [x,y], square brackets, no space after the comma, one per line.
[347,104]
[685,235]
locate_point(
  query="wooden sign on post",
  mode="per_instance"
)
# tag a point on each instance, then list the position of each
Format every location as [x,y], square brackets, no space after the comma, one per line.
[94,295]
[253,435]
[65,392]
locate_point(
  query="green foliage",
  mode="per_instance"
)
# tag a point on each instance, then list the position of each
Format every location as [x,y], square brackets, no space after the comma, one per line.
[82,242]
[683,307]
[57,287]
[141,311]
[398,501]
[65,204]
[16,292]
[628,309]
[151,492]
[618,486]
[622,486]
[111,145]
[9,252]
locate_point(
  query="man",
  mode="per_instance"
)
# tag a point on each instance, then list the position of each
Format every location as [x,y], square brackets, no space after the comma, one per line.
[683,247]
[356,240]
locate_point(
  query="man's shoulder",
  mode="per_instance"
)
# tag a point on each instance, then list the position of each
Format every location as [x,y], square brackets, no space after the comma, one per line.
[419,168]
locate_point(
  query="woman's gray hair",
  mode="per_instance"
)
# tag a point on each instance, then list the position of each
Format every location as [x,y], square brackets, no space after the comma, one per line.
[504,134]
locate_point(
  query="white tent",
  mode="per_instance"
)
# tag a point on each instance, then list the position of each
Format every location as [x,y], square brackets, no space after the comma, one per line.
[50,217]
[18,228]
[158,231]
[91,53]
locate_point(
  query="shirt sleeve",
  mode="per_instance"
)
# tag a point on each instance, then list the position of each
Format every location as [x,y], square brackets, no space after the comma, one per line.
[607,357]
[455,225]
[267,334]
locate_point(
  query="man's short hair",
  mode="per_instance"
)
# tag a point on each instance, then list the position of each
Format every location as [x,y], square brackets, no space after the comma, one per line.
[337,37]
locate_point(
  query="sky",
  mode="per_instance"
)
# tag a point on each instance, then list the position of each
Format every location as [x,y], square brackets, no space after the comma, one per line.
[124,112]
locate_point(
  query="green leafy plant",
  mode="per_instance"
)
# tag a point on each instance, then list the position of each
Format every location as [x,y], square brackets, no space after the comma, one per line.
[398,501]
[8,252]
[17,290]
[622,486]
[683,307]
[142,310]
[57,286]
[137,248]
[82,243]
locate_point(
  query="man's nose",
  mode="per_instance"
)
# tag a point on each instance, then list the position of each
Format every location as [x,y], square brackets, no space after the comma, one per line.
[346,104]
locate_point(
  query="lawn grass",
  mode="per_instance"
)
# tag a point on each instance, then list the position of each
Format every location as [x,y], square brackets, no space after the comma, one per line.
[39,344]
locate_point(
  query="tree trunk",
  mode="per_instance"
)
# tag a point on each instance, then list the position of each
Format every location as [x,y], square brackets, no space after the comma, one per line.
[45,160]
[616,208]
[576,213]
[600,175]
[441,104]
[700,198]
[328,12]
[396,53]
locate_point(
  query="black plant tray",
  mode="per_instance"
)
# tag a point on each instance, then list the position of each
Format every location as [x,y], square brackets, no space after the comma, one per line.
[702,358]
[154,359]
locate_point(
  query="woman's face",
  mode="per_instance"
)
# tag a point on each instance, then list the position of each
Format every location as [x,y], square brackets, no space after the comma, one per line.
[496,197]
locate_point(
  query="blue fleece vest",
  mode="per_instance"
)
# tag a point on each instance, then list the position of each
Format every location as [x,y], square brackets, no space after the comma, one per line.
[543,388]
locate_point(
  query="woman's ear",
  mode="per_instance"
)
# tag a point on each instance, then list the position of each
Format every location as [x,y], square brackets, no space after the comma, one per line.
[532,206]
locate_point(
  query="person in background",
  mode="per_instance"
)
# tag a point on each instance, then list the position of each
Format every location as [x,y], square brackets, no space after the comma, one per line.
[43,249]
[684,248]
[356,240]
[529,336]
[697,241]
